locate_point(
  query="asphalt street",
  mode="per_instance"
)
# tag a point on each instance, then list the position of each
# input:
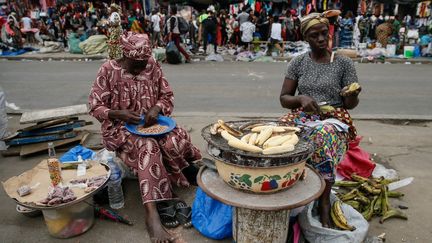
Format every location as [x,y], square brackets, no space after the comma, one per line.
[228,87]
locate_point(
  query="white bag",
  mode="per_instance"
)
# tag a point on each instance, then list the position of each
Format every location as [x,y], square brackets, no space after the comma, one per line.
[314,232]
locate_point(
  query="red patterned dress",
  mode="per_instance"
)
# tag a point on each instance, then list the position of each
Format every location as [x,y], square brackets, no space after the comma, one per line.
[157,161]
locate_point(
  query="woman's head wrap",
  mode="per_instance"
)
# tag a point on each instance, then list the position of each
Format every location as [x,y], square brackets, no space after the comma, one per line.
[312,20]
[135,46]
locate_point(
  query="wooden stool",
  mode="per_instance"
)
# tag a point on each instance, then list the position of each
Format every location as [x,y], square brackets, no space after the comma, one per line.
[261,218]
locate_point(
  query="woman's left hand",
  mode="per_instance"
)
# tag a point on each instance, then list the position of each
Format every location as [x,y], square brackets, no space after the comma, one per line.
[345,93]
[151,116]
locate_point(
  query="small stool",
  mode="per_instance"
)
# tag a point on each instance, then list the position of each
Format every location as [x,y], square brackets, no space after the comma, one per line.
[261,218]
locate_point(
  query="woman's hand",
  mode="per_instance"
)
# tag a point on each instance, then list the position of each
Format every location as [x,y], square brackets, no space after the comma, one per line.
[151,116]
[125,115]
[308,104]
[345,93]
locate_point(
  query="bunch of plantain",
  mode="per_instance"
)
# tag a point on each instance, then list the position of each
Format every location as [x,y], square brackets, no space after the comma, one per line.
[370,197]
[339,218]
[262,138]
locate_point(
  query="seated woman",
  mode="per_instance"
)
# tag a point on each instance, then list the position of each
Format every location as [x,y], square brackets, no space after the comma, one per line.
[125,89]
[319,77]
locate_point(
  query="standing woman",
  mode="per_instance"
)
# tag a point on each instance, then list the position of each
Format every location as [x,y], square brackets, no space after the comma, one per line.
[317,77]
[347,27]
[114,32]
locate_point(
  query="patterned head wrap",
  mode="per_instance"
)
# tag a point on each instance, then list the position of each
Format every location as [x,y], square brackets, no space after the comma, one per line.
[312,20]
[135,46]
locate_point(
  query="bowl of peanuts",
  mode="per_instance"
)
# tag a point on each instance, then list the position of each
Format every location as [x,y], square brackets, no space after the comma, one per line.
[164,125]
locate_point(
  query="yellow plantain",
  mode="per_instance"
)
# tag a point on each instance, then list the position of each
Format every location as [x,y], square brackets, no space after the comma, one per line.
[264,135]
[353,87]
[253,138]
[339,218]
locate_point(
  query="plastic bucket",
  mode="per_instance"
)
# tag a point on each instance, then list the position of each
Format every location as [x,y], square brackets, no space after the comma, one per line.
[409,51]
[69,221]
[391,50]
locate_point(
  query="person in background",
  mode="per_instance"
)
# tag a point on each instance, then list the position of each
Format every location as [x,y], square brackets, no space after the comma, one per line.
[313,78]
[209,31]
[124,90]
[347,26]
[156,37]
[11,34]
[3,120]
[247,29]
[383,33]
[276,36]
[174,32]
[263,25]
[243,16]
[114,32]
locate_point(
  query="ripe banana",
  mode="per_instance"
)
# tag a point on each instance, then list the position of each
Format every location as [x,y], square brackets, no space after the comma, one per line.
[393,213]
[264,135]
[253,138]
[279,149]
[229,129]
[246,137]
[339,218]
[227,136]
[236,143]
[326,108]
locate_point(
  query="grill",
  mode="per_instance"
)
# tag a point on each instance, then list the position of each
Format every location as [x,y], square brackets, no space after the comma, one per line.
[219,149]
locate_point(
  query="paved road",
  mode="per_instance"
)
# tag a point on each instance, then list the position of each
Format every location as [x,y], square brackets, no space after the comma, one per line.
[228,87]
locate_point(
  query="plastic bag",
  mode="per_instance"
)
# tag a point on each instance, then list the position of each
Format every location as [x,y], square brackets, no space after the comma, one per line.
[214,57]
[210,217]
[356,160]
[173,55]
[314,232]
[72,154]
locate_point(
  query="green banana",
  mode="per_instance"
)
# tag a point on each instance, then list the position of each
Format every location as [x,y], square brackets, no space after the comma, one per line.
[338,217]
[350,195]
[385,205]
[362,199]
[370,188]
[377,206]
[395,194]
[354,204]
[358,178]
[367,214]
[393,213]
[347,183]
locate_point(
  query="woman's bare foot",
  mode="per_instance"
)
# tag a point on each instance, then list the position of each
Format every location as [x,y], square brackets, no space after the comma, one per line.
[324,206]
[158,234]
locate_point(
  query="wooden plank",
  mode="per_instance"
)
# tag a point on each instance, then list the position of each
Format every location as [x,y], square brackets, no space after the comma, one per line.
[51,114]
[48,124]
[11,151]
[38,147]
[56,129]
[38,139]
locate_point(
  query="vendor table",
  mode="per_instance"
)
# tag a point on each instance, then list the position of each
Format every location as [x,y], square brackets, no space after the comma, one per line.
[261,217]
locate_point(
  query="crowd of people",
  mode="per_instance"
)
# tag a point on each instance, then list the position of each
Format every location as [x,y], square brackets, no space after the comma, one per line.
[243,29]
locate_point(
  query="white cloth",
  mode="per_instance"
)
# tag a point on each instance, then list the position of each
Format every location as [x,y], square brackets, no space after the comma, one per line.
[155,19]
[276,31]
[26,23]
[247,29]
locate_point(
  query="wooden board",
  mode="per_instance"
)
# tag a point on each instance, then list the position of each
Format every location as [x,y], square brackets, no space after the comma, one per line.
[48,124]
[56,129]
[11,151]
[51,114]
[38,147]
[41,138]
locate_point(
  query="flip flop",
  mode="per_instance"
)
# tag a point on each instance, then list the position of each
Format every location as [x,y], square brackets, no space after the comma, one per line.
[183,214]
[167,214]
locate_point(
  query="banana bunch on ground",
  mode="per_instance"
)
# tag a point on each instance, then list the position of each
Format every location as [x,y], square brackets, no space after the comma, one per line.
[339,218]
[258,138]
[370,197]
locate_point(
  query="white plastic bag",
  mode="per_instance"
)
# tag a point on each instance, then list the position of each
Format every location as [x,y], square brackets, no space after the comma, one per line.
[103,155]
[3,119]
[314,232]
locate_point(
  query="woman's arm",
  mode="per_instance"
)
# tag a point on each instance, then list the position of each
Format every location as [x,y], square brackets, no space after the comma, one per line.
[290,101]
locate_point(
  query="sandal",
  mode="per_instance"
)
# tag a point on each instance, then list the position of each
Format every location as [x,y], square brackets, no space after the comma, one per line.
[167,214]
[183,214]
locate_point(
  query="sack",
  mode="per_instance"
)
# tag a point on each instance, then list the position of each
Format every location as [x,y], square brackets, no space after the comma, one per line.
[210,217]
[173,55]
[183,26]
[314,232]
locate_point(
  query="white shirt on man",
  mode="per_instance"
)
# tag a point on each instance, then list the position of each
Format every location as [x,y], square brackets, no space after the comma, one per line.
[155,19]
[247,29]
[26,23]
[276,31]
